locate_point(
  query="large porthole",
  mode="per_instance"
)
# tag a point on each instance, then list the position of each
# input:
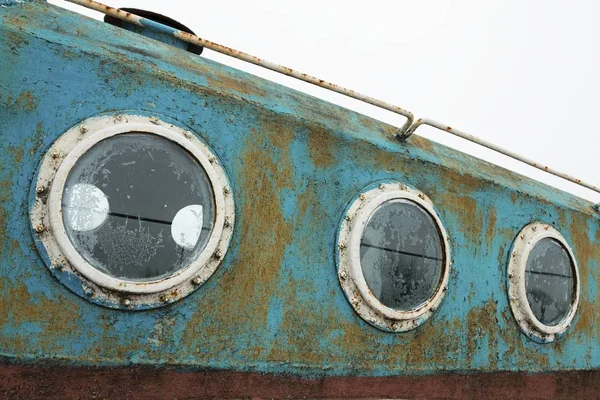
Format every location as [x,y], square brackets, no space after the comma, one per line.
[543,282]
[138,210]
[394,257]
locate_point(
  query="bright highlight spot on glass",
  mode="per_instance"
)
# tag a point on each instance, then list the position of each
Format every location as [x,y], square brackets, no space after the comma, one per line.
[187,226]
[85,207]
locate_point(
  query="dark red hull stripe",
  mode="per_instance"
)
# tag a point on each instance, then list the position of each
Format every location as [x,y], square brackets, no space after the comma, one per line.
[61,382]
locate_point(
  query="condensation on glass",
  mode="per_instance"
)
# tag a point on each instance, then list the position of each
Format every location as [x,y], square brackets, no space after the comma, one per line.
[402,255]
[549,281]
[138,206]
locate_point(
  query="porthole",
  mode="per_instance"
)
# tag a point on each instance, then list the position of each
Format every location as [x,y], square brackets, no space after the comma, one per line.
[131,211]
[393,257]
[543,282]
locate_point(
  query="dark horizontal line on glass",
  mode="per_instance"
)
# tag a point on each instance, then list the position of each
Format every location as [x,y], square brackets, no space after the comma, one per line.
[406,253]
[145,219]
[548,274]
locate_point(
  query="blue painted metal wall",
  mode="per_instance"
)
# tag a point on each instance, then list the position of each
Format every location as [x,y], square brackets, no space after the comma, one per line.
[295,163]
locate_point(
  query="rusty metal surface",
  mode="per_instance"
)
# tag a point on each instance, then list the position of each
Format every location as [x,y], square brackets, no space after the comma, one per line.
[59,382]
[407,130]
[295,163]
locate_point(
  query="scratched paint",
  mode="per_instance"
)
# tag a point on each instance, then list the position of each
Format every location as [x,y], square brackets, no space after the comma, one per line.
[295,163]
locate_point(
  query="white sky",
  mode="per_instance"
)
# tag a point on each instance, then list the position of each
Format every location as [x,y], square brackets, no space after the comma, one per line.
[522,74]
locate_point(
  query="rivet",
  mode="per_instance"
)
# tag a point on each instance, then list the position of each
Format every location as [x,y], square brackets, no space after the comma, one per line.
[126,302]
[89,291]
[510,276]
[403,187]
[54,154]
[154,120]
[348,217]
[120,117]
[40,228]
[40,189]
[58,266]
[382,186]
[218,254]
[226,190]
[197,281]
[212,159]
[534,228]
[187,134]
[362,196]
[342,246]
[421,196]
[227,222]
[164,298]
[522,237]
[343,275]
[83,129]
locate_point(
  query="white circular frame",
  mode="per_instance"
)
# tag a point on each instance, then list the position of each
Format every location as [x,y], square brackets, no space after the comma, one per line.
[99,287]
[523,244]
[350,272]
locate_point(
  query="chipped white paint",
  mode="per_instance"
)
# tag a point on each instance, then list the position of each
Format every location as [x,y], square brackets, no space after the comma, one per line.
[517,294]
[111,291]
[350,272]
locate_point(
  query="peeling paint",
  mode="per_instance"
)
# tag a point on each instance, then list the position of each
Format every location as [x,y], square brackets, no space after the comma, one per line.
[295,163]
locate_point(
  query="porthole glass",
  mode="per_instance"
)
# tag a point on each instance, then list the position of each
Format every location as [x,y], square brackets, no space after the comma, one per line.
[401,255]
[543,282]
[138,206]
[394,257]
[132,212]
[549,281]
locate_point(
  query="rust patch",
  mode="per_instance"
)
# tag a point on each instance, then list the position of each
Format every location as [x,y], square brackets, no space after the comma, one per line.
[68,54]
[246,290]
[469,215]
[229,83]
[15,41]
[320,147]
[586,253]
[422,143]
[55,316]
[482,322]
[17,154]
[25,101]
[491,226]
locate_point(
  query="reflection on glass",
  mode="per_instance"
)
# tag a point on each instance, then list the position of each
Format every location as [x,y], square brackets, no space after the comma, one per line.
[549,282]
[187,226]
[85,207]
[156,201]
[401,255]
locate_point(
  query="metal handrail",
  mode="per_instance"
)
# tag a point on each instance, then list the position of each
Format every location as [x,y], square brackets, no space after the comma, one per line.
[409,127]
[491,146]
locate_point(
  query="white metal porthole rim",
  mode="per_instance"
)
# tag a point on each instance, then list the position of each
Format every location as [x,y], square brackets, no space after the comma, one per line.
[350,272]
[523,244]
[52,177]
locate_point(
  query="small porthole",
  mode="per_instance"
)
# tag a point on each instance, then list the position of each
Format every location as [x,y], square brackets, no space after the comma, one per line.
[394,257]
[135,208]
[543,282]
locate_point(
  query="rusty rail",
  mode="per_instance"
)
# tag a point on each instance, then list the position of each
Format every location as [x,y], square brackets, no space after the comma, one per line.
[409,127]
